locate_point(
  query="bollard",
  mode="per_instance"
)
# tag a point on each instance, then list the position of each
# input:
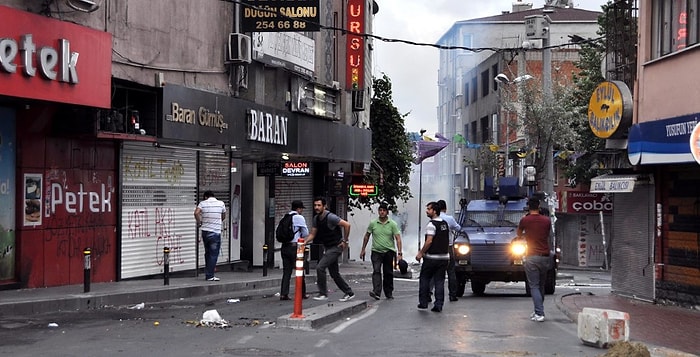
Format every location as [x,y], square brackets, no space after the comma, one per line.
[86,270]
[265,251]
[166,265]
[299,284]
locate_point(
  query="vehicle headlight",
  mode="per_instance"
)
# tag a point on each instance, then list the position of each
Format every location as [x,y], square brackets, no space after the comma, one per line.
[518,248]
[462,249]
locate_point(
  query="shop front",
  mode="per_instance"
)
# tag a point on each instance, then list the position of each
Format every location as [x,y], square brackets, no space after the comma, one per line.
[163,181]
[58,187]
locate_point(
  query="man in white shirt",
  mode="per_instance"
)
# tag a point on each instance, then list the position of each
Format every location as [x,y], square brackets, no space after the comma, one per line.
[210,214]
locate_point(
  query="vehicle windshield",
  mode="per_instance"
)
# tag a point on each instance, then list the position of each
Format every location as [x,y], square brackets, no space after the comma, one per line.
[493,219]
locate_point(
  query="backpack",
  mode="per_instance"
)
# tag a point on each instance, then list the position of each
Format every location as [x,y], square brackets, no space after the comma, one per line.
[285,229]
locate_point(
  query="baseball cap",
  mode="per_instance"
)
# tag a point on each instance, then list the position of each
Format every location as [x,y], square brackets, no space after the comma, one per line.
[297,204]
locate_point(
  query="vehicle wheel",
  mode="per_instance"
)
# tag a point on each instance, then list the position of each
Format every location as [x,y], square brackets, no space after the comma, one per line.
[461,284]
[551,283]
[478,287]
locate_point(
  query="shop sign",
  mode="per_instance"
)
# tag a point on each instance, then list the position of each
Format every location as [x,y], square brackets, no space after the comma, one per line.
[47,59]
[610,109]
[267,127]
[202,116]
[280,16]
[587,202]
[355,45]
[363,190]
[296,168]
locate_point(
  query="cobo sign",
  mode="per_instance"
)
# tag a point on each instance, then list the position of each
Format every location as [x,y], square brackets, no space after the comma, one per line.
[586,202]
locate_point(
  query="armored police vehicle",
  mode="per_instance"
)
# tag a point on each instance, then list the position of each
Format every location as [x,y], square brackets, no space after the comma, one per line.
[486,248]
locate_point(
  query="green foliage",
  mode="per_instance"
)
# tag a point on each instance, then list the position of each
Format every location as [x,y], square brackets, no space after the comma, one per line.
[391,150]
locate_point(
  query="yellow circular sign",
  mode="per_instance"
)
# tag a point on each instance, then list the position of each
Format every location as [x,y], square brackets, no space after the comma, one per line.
[695,142]
[606,108]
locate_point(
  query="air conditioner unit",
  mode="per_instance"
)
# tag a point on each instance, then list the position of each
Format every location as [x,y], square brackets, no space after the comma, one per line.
[238,49]
[358,100]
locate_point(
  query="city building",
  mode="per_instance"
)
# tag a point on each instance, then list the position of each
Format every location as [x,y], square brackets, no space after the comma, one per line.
[116,116]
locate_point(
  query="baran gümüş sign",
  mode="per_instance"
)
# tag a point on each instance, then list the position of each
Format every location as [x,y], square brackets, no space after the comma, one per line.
[280,15]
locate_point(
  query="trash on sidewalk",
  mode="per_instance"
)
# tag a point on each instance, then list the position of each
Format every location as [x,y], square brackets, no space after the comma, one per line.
[211,318]
[53,324]
[233,301]
[138,306]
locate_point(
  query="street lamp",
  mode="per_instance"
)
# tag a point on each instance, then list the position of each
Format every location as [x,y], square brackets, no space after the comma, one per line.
[503,79]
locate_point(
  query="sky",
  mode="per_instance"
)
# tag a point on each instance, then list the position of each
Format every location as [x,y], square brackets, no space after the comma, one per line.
[413,69]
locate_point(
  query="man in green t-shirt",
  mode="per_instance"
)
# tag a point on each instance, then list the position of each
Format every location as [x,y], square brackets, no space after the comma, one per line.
[386,239]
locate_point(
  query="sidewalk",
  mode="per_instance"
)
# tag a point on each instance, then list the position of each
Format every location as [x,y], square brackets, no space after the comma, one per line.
[667,331]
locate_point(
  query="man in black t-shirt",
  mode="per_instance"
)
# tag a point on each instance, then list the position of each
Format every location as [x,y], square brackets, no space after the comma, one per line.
[326,230]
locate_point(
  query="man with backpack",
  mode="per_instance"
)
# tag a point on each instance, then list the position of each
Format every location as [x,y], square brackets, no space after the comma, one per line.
[291,227]
[326,226]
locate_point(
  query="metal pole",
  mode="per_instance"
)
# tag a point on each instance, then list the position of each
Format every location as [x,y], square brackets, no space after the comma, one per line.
[548,185]
[166,265]
[86,270]
[265,251]
[420,196]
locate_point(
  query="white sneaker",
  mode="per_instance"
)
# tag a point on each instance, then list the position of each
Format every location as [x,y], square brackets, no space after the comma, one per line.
[532,315]
[537,318]
[347,297]
[213,279]
[321,298]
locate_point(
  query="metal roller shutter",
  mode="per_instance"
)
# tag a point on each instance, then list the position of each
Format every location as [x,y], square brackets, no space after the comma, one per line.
[632,245]
[288,189]
[215,176]
[158,201]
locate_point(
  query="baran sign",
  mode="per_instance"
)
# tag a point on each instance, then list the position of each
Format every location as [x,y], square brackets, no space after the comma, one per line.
[267,127]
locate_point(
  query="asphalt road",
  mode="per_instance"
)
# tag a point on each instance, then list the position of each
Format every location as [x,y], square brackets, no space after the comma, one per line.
[496,324]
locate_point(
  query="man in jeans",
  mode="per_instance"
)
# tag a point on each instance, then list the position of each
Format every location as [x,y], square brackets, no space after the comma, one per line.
[534,228]
[289,250]
[386,238]
[326,226]
[209,215]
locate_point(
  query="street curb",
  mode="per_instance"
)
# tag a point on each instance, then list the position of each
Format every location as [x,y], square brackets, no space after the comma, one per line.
[322,315]
[97,299]
[572,315]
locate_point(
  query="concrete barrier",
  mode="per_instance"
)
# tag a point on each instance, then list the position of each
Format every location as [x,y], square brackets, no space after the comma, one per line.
[601,327]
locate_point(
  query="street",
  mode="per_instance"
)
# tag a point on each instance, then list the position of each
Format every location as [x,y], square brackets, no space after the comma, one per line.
[496,324]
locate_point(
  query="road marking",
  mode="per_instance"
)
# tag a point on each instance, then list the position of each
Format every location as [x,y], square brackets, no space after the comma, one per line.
[344,325]
[245,339]
[321,343]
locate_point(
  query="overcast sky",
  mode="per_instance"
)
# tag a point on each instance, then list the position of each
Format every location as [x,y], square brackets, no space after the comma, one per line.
[413,69]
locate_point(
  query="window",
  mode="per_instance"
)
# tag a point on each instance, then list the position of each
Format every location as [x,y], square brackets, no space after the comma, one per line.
[467,40]
[485,83]
[485,129]
[494,73]
[466,94]
[475,94]
[674,26]
[472,132]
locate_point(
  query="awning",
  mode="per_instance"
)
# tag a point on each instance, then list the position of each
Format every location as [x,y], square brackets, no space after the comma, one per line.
[613,183]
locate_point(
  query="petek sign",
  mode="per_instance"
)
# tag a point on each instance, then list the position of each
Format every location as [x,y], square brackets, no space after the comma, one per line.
[47,59]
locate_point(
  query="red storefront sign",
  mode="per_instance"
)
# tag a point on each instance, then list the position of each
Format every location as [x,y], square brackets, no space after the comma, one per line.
[355,45]
[47,59]
[586,202]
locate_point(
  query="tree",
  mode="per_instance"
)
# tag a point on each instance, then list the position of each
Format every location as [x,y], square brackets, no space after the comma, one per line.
[391,149]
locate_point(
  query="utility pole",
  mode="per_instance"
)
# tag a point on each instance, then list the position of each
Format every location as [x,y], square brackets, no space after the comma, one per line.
[538,27]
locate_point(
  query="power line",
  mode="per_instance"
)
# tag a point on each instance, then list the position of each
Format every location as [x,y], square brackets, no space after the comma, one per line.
[423,44]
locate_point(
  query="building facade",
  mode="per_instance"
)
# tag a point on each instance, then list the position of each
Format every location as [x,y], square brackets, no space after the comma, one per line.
[116,117]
